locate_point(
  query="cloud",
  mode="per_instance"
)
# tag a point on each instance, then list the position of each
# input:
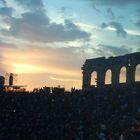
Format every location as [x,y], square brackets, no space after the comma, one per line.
[31,4]
[6,11]
[104,25]
[70,25]
[115,2]
[4,45]
[117,26]
[138,15]
[2,2]
[100,50]
[110,13]
[64,79]
[119,29]
[65,57]
[36,26]
[62,9]
[103,50]
[109,50]
[58,61]
[95,8]
[5,14]
[138,23]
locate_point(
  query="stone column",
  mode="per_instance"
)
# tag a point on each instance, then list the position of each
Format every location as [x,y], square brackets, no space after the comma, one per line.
[130,74]
[86,79]
[115,76]
[100,78]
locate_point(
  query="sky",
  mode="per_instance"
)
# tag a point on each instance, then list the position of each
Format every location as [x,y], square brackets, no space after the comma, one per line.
[46,42]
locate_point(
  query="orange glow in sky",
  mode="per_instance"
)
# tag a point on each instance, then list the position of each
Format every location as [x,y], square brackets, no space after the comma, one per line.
[46,42]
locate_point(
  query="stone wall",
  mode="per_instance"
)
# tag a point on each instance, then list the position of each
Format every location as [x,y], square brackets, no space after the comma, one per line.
[102,64]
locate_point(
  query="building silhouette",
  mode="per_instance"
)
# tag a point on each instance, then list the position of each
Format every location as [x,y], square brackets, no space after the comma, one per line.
[115,64]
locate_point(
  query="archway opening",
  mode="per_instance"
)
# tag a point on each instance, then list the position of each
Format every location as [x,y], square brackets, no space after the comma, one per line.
[137,73]
[122,78]
[93,81]
[108,76]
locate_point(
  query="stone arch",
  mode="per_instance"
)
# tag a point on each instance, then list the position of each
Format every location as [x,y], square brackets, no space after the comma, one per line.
[93,81]
[108,76]
[123,75]
[122,67]
[137,73]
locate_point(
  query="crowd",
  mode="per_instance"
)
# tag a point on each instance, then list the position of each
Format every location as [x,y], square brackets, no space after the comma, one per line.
[88,115]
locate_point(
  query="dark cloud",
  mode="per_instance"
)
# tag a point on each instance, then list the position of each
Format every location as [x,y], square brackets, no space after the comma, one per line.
[31,4]
[63,12]
[110,13]
[36,26]
[6,14]
[115,2]
[6,11]
[138,23]
[63,9]
[104,25]
[109,50]
[138,15]
[95,8]
[117,26]
[119,29]
[37,18]
[70,25]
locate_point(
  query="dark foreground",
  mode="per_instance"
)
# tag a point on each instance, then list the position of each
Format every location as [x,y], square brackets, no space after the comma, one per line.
[79,116]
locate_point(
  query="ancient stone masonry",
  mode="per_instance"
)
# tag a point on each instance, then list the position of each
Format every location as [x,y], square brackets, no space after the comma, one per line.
[102,64]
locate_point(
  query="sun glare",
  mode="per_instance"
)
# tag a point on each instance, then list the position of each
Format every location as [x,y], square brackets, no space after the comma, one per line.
[27,68]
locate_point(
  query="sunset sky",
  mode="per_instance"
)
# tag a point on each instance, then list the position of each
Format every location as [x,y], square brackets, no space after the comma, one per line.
[46,42]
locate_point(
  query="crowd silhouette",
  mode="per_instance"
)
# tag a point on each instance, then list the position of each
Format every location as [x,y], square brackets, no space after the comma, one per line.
[78,115]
